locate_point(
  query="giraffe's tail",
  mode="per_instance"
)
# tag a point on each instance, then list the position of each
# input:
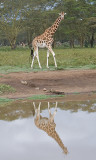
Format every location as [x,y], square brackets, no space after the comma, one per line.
[31,56]
[32,53]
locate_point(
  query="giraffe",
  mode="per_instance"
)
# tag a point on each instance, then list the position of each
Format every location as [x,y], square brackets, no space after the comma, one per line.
[45,40]
[48,125]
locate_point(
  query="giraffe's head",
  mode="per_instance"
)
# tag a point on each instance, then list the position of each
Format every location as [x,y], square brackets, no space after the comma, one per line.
[61,15]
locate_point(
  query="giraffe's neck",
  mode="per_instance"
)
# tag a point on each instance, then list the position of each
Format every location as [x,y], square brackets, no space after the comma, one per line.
[54,27]
[59,141]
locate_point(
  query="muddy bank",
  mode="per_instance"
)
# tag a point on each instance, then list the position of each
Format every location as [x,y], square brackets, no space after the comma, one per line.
[37,83]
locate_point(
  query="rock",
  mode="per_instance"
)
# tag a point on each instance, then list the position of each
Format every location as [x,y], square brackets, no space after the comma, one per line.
[57,92]
[24,82]
[37,88]
[44,89]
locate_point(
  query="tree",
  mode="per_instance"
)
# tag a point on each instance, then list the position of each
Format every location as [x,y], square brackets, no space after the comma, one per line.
[29,18]
[10,20]
[38,17]
[76,24]
[91,22]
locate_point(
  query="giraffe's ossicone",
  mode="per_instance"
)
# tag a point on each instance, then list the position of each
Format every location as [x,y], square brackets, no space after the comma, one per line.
[48,125]
[46,40]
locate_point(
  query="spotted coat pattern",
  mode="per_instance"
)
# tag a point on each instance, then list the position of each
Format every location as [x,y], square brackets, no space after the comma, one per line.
[46,40]
[48,125]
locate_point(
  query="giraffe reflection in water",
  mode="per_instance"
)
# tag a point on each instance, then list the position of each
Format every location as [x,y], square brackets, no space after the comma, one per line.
[48,125]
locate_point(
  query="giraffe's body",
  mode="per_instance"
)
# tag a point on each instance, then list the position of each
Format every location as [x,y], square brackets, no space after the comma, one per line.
[48,125]
[46,40]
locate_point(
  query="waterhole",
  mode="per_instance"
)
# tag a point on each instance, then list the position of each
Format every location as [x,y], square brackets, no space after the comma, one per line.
[48,130]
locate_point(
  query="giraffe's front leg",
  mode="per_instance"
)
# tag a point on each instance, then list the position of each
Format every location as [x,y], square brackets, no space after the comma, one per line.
[50,49]
[47,58]
[56,106]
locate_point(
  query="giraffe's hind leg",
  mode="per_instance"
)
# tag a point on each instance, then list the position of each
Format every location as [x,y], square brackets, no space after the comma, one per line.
[55,111]
[49,109]
[34,55]
[37,56]
[50,49]
[37,111]
[39,108]
[52,115]
[35,108]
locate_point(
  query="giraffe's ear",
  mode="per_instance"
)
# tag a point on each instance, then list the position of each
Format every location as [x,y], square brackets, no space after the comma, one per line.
[62,13]
[59,14]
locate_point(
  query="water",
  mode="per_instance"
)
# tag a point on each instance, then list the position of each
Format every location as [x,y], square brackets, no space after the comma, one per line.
[74,128]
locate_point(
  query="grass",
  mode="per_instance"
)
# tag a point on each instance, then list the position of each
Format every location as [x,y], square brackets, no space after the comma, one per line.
[6,89]
[5,101]
[19,59]
[41,97]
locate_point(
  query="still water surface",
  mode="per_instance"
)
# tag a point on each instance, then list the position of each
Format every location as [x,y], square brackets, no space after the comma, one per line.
[69,135]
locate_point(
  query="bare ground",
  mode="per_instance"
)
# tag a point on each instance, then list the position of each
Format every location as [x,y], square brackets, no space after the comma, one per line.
[67,81]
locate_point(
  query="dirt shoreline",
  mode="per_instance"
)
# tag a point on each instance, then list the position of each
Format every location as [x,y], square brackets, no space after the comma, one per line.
[82,82]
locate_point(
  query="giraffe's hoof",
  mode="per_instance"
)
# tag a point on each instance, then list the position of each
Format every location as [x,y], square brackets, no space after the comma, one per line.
[48,67]
[31,67]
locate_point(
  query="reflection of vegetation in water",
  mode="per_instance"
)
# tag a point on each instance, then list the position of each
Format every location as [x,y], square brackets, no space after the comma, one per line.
[89,106]
[16,110]
[23,109]
[5,101]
